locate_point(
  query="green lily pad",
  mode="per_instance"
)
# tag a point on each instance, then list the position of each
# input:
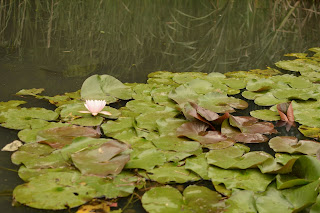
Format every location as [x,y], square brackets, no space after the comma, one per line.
[299,65]
[32,92]
[265,114]
[27,118]
[311,132]
[257,85]
[185,77]
[268,99]
[183,94]
[4,106]
[285,181]
[27,174]
[292,145]
[170,173]
[104,87]
[199,165]
[57,190]
[202,199]
[235,157]
[148,120]
[145,159]
[110,128]
[302,196]
[36,161]
[173,143]
[273,201]
[221,103]
[249,179]
[241,201]
[164,199]
[195,199]
[304,112]
[281,164]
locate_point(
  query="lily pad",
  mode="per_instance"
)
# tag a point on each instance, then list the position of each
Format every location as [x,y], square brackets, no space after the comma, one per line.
[145,159]
[103,160]
[104,87]
[27,118]
[4,106]
[235,157]
[199,165]
[249,179]
[271,198]
[265,114]
[58,137]
[302,196]
[173,143]
[292,145]
[241,201]
[171,173]
[164,199]
[221,103]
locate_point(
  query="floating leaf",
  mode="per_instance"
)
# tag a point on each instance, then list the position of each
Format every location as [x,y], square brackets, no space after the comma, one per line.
[265,114]
[249,179]
[58,137]
[237,135]
[27,118]
[32,92]
[235,157]
[164,199]
[103,160]
[30,135]
[221,103]
[145,159]
[198,132]
[173,143]
[251,125]
[4,106]
[171,173]
[311,132]
[104,87]
[199,165]
[272,201]
[291,145]
[281,164]
[302,196]
[241,201]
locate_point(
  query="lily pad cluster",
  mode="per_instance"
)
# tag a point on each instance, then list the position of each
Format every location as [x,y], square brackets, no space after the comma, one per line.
[178,128]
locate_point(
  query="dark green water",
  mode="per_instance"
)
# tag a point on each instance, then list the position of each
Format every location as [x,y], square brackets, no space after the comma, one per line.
[57,44]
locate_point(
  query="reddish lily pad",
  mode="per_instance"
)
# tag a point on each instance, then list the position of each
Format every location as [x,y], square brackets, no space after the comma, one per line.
[198,131]
[58,137]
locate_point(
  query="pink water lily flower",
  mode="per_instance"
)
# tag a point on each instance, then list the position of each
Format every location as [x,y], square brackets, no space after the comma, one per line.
[95,106]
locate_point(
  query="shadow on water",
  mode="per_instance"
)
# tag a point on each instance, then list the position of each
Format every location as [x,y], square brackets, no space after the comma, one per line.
[56,44]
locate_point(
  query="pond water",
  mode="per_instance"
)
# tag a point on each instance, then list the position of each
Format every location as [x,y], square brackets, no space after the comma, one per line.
[57,44]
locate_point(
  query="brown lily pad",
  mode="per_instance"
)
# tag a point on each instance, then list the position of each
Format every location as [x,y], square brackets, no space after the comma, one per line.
[58,137]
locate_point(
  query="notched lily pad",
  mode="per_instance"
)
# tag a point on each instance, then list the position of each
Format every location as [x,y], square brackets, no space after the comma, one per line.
[104,87]
[292,145]
[58,137]
[109,158]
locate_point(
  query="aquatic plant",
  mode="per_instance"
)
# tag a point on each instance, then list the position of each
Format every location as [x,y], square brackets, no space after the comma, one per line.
[178,128]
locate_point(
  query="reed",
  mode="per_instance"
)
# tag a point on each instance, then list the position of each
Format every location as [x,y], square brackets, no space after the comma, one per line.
[136,37]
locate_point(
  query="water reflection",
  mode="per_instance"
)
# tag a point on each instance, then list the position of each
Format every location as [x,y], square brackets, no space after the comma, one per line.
[129,39]
[56,44]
